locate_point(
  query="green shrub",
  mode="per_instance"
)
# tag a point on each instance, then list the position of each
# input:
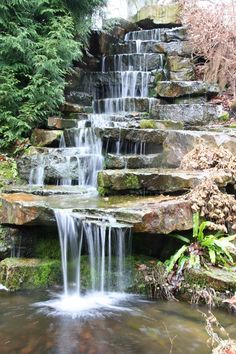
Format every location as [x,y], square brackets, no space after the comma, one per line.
[39,39]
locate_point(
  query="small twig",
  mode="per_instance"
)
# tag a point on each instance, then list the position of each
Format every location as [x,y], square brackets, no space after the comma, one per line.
[170,339]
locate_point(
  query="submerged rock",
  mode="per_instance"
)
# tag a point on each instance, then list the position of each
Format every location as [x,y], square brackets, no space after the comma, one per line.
[28,273]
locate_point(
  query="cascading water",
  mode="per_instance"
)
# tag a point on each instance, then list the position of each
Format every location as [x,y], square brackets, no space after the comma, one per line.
[103,270]
[130,72]
[80,163]
[106,243]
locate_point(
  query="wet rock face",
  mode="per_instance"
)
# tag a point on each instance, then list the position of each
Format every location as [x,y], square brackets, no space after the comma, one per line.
[27,273]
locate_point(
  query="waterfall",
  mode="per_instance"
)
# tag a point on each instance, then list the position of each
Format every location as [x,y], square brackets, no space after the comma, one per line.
[105,241]
[80,163]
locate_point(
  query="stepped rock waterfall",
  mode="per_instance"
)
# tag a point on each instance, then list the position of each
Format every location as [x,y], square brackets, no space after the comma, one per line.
[104,242]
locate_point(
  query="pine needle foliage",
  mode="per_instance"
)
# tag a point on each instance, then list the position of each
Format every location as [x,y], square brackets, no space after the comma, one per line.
[39,39]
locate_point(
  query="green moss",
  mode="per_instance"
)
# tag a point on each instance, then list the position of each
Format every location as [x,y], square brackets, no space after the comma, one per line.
[102,189]
[48,248]
[233,125]
[224,117]
[132,182]
[148,124]
[23,273]
[8,171]
[216,278]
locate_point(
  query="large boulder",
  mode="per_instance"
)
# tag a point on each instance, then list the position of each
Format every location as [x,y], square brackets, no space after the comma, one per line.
[166,15]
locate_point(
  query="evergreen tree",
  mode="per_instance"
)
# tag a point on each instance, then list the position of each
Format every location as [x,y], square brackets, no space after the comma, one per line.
[37,47]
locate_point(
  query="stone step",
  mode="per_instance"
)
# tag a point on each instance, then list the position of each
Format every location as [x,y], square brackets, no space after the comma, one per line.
[155,181]
[68,107]
[147,214]
[182,49]
[78,97]
[126,104]
[158,34]
[189,114]
[133,161]
[49,190]
[60,123]
[134,61]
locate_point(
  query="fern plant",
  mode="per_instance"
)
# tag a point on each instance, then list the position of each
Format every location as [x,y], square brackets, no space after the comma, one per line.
[216,249]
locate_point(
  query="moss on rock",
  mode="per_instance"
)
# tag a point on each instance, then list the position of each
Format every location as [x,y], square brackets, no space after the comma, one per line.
[29,273]
[8,171]
[219,279]
[148,124]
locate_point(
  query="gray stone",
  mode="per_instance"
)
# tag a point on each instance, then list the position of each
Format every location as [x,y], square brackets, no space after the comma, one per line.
[190,114]
[178,143]
[133,161]
[173,89]
[78,97]
[172,48]
[75,108]
[183,75]
[176,34]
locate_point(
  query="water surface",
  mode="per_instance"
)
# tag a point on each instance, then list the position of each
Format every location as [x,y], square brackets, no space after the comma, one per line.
[127,325]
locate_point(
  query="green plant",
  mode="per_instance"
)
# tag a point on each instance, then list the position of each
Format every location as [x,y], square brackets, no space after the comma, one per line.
[39,39]
[214,248]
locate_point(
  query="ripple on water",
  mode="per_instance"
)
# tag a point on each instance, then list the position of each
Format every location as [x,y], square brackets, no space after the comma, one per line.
[95,304]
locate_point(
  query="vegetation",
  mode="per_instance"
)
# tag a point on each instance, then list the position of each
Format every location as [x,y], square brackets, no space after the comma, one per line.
[206,249]
[211,29]
[39,39]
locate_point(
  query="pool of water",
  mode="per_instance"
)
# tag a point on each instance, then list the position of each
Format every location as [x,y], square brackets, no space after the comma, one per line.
[40,323]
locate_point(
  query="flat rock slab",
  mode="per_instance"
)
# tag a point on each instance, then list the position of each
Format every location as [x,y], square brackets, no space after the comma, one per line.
[26,273]
[47,190]
[155,181]
[189,114]
[159,214]
[173,89]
